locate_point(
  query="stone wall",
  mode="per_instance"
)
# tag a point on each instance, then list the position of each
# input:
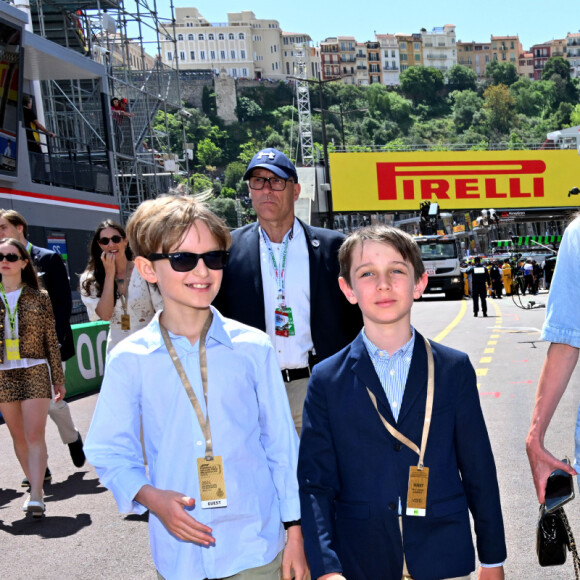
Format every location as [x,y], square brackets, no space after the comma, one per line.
[192,89]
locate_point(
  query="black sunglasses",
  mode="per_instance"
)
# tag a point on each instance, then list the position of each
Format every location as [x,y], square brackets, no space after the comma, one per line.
[187,261]
[10,257]
[114,239]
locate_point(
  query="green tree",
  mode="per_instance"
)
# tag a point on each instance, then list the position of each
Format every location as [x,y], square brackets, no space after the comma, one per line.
[533,98]
[465,106]
[234,173]
[208,104]
[421,83]
[501,73]
[500,106]
[247,151]
[208,153]
[226,209]
[228,192]
[199,182]
[461,78]
[556,65]
[575,115]
[248,110]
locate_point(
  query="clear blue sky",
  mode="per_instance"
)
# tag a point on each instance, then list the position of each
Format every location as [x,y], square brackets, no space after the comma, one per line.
[534,21]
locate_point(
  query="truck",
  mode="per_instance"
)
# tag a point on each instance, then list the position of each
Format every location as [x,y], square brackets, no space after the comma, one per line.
[442,255]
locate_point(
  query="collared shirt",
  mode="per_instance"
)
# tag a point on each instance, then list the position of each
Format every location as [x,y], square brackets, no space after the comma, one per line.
[251,429]
[392,370]
[562,323]
[292,351]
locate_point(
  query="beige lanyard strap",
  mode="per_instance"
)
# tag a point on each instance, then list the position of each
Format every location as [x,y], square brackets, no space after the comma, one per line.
[428,411]
[124,296]
[203,421]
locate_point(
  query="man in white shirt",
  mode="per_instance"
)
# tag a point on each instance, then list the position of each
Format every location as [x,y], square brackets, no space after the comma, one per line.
[282,277]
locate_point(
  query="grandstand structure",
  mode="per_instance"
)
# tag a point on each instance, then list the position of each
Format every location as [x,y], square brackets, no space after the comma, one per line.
[127,156]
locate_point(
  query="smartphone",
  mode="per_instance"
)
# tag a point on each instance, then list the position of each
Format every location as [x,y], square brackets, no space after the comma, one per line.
[559,489]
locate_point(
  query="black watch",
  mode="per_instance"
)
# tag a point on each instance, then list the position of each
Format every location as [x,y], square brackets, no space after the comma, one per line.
[292,523]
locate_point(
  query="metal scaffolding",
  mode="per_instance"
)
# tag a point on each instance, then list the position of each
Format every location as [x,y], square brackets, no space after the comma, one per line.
[304,115]
[115,33]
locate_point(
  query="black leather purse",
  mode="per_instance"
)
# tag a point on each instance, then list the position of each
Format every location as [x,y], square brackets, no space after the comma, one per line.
[554,538]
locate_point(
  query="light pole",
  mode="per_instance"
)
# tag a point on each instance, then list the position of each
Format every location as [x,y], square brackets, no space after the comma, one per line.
[321,82]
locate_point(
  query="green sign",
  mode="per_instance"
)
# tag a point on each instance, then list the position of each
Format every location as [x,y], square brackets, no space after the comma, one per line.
[84,371]
[526,241]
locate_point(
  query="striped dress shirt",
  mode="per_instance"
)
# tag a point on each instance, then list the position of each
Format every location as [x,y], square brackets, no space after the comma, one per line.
[392,370]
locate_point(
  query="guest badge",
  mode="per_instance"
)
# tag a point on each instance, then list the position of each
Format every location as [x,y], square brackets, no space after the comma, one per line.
[417,492]
[12,349]
[212,484]
[125,322]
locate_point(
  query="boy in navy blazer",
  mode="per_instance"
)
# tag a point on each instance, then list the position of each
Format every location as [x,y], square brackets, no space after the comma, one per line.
[386,483]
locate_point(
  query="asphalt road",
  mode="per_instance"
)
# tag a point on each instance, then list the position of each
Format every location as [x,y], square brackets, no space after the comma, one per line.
[83,535]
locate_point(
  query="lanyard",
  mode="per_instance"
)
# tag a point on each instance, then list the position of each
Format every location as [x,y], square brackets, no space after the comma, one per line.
[203,421]
[428,411]
[124,296]
[12,314]
[279,273]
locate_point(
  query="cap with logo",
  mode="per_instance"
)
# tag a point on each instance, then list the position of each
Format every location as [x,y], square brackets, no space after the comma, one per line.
[274,161]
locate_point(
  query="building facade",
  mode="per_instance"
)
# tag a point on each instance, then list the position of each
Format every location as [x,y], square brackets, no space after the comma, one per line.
[526,65]
[542,53]
[573,53]
[474,55]
[374,62]
[330,58]
[295,46]
[439,47]
[506,49]
[362,67]
[244,46]
[389,51]
[410,50]
[347,54]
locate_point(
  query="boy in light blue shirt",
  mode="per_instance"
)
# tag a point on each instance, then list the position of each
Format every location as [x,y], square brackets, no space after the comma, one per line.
[219,437]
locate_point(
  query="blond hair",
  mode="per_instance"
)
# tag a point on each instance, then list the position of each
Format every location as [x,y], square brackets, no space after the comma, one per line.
[159,225]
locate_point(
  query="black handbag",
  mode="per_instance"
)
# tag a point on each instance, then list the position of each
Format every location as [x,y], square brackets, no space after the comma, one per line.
[554,538]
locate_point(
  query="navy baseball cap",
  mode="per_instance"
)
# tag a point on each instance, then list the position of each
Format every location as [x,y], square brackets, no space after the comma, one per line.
[274,161]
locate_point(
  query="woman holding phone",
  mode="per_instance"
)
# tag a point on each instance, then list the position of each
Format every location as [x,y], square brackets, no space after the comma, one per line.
[112,290]
[28,348]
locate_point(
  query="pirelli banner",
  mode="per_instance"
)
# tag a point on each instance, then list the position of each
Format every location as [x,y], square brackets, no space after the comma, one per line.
[454,180]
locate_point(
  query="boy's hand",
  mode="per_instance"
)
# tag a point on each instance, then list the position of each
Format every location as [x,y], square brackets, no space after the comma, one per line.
[496,573]
[294,559]
[169,506]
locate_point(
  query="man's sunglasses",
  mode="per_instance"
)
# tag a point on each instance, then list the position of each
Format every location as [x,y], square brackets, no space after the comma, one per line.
[106,241]
[187,261]
[10,257]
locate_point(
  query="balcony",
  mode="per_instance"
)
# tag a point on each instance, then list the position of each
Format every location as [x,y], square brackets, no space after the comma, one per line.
[434,56]
[359,67]
[429,44]
[390,68]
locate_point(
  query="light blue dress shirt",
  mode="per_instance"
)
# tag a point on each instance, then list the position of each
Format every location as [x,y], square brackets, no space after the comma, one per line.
[251,427]
[562,324]
[392,370]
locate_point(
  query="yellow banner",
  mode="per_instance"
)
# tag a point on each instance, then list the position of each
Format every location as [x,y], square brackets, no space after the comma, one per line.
[454,180]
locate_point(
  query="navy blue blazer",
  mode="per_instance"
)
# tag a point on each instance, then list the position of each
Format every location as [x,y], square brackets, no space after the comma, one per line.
[53,278]
[334,322]
[352,472]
